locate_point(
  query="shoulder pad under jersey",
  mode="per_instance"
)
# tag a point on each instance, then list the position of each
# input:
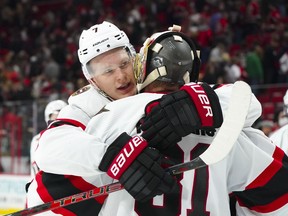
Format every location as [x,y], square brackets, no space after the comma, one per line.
[88,99]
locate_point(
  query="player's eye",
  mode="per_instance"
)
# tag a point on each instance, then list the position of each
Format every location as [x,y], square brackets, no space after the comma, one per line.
[124,64]
[109,70]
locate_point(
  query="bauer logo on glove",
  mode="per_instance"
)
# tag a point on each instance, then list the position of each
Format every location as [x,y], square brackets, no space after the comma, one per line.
[126,156]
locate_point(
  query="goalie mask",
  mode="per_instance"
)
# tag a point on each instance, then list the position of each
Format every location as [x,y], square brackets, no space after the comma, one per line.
[99,39]
[168,56]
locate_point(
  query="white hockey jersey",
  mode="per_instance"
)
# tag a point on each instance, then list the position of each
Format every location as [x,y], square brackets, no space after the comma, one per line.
[280,138]
[68,157]
[253,173]
[33,146]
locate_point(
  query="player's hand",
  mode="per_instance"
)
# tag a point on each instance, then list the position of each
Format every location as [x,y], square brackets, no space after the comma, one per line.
[137,167]
[178,114]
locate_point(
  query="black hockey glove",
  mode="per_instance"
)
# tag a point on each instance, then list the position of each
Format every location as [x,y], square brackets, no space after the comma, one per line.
[178,114]
[137,167]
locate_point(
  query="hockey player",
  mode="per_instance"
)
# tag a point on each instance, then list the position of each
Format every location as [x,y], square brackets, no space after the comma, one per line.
[51,112]
[69,158]
[255,171]
[107,59]
[280,136]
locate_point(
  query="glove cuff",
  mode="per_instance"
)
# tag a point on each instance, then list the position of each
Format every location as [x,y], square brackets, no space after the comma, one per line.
[113,150]
[206,103]
[121,153]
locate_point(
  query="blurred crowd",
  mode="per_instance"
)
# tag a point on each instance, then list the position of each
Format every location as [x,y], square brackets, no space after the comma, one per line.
[238,39]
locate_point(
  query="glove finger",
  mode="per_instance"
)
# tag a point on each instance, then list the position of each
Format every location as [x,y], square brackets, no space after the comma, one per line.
[144,161]
[171,98]
[148,157]
[174,119]
[142,185]
[150,186]
[126,179]
[151,119]
[190,112]
[155,127]
[169,184]
[167,162]
[164,142]
[183,119]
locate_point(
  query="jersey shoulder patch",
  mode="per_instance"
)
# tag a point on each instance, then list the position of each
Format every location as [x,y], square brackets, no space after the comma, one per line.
[81,90]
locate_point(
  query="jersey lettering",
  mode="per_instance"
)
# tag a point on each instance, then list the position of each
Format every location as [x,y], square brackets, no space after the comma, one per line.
[193,184]
[201,132]
[200,187]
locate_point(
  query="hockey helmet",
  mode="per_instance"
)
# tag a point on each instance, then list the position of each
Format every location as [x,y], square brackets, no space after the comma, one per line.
[53,107]
[168,56]
[99,39]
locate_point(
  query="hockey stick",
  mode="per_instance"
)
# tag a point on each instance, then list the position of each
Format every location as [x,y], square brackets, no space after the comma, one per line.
[220,147]
[228,133]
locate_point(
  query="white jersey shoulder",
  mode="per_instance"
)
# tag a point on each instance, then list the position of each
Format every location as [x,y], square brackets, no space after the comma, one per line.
[84,104]
[119,115]
[88,99]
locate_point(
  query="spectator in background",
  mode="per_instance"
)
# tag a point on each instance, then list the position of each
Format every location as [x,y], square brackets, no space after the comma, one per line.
[32,27]
[266,126]
[283,60]
[51,112]
[252,15]
[254,66]
[270,61]
[279,119]
[232,70]
[218,60]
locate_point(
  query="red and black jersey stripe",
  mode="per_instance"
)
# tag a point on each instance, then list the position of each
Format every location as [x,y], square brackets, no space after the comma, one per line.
[264,193]
[52,187]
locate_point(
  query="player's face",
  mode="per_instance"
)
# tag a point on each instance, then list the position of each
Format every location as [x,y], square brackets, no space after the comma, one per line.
[113,73]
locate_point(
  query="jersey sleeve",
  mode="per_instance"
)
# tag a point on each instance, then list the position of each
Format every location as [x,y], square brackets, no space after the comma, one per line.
[258,174]
[33,146]
[68,149]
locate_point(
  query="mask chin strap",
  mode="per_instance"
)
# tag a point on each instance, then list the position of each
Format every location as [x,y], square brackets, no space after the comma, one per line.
[104,94]
[101,92]
[154,75]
